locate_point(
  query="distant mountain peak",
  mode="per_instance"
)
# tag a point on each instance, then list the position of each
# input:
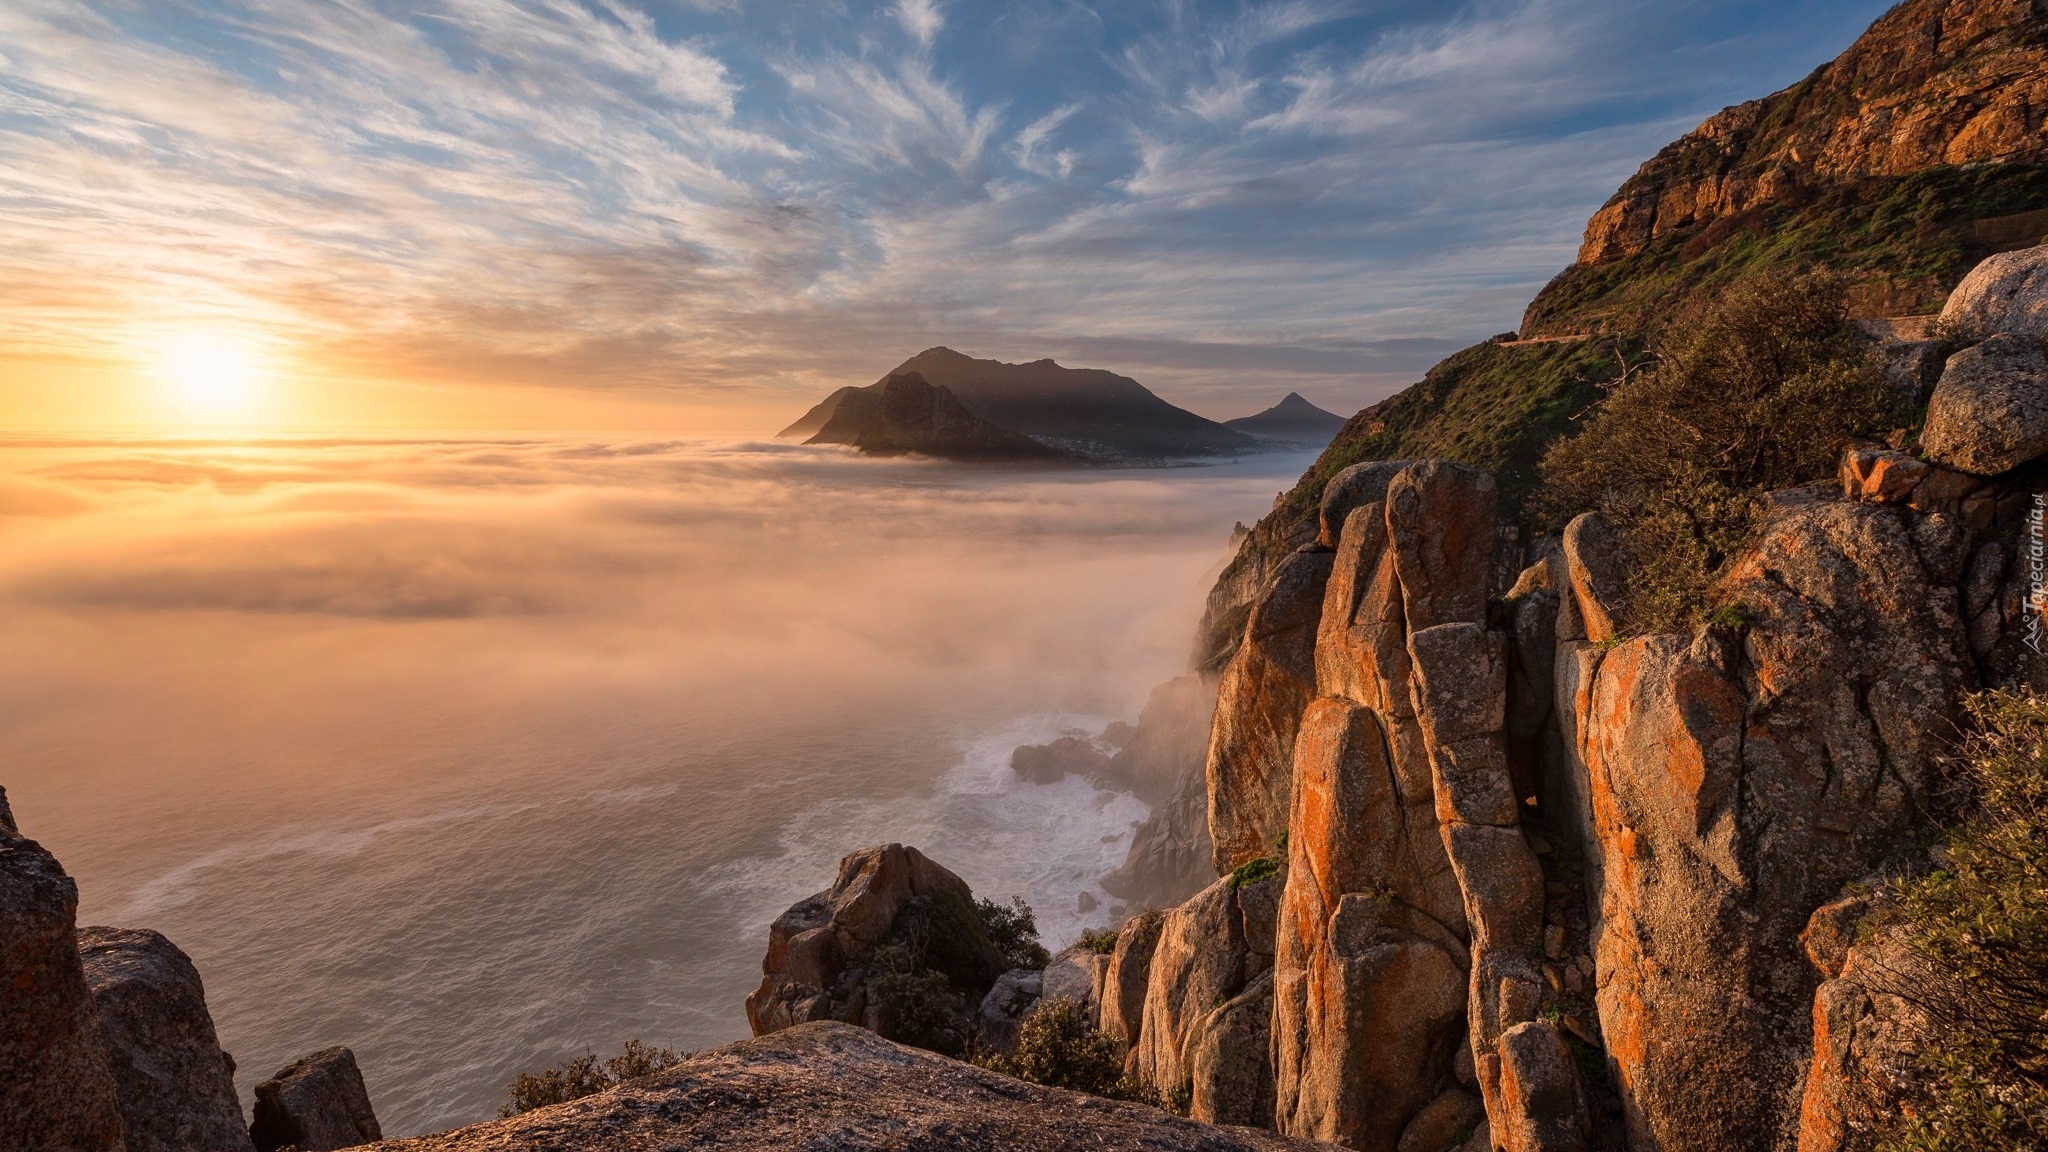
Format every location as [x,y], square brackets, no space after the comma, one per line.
[1084,412]
[1294,420]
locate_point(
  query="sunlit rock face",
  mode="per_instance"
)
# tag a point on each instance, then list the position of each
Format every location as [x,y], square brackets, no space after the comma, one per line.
[1738,781]
[1932,83]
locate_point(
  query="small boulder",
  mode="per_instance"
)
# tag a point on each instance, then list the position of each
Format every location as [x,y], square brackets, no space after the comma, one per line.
[173,1082]
[1003,1010]
[2006,293]
[315,1103]
[1544,1108]
[1989,414]
[1078,975]
[1072,753]
[56,1093]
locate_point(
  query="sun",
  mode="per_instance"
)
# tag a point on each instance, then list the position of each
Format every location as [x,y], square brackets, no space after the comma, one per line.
[212,373]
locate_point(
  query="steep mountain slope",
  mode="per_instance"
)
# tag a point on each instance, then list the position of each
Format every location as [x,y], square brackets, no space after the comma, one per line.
[1292,421]
[1903,162]
[1081,411]
[1917,152]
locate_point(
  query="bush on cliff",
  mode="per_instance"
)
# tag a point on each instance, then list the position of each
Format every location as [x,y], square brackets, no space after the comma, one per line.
[927,978]
[1754,392]
[585,1075]
[1982,918]
[1057,1046]
[1013,928]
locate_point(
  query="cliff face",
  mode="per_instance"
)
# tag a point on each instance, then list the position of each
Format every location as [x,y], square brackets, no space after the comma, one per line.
[1903,162]
[1933,83]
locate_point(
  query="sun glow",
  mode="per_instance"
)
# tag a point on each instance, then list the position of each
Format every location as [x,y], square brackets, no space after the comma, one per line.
[215,374]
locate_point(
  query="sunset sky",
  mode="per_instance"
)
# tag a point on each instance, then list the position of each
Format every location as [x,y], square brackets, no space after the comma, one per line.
[669,214]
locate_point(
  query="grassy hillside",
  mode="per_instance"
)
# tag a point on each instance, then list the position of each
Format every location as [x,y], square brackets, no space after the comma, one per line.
[1904,241]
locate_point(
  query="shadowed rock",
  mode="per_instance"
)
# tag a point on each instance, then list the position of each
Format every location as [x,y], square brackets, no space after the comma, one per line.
[56,1093]
[176,1090]
[316,1103]
[1989,414]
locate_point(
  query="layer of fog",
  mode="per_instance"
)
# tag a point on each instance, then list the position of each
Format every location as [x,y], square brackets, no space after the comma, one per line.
[470,754]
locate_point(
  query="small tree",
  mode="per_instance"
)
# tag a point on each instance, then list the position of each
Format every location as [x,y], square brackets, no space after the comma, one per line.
[1013,928]
[1757,391]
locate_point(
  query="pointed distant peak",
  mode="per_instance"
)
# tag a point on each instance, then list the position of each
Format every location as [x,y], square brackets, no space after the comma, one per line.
[1295,404]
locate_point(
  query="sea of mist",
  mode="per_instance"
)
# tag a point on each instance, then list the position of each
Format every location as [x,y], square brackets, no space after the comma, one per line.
[473,753]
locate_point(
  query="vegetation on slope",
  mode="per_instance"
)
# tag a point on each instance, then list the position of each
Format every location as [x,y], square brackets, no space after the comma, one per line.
[1982,919]
[1494,406]
[1757,390]
[1058,1047]
[1904,241]
[585,1075]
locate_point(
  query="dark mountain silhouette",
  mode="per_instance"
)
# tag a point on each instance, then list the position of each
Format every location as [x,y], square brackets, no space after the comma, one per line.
[1292,421]
[1083,412]
[905,414]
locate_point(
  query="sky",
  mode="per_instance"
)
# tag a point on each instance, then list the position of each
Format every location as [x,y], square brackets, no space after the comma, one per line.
[704,214]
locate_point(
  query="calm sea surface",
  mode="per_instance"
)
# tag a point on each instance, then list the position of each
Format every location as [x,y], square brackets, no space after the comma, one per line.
[474,753]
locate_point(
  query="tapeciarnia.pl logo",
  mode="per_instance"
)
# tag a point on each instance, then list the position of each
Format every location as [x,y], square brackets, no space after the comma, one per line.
[2037,571]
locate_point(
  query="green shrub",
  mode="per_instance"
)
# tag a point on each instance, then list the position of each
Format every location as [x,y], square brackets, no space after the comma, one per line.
[1982,920]
[584,1076]
[1058,1047]
[1101,941]
[1757,391]
[1013,929]
[1253,871]
[920,1007]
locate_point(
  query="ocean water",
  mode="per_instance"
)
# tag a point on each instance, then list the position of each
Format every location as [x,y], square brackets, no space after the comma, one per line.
[473,753]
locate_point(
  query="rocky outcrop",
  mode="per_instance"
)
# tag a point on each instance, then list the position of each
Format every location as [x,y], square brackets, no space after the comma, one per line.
[830,1086]
[56,1091]
[1738,780]
[1989,413]
[2007,293]
[1202,1032]
[1122,1013]
[1002,1012]
[1078,974]
[1403,850]
[1932,83]
[1264,688]
[820,950]
[315,1103]
[175,1086]
[1869,1027]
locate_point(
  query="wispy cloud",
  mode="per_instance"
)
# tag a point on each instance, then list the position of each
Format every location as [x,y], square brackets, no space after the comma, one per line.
[764,199]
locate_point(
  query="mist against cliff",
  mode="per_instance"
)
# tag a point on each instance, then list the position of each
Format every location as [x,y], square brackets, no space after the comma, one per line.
[472,753]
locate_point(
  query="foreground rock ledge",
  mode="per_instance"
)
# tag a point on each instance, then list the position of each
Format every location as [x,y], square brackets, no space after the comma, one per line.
[828,1086]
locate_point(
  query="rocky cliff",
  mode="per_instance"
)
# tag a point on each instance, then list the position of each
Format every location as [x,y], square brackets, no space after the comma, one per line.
[1902,162]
